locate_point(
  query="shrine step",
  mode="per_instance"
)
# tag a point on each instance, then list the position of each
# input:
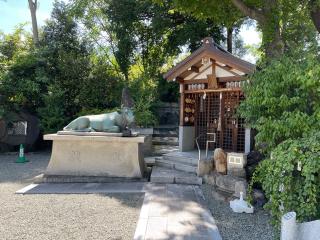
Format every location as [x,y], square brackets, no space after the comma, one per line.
[166,131]
[174,141]
[150,161]
[180,159]
[166,175]
[174,164]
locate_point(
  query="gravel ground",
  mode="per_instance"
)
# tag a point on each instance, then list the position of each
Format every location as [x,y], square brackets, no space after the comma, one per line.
[111,216]
[235,226]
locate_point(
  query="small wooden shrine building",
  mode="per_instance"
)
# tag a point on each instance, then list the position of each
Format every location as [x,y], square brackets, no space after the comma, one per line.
[211,81]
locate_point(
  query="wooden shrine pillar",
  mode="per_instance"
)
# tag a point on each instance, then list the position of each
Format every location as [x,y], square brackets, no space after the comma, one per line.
[212,78]
[182,102]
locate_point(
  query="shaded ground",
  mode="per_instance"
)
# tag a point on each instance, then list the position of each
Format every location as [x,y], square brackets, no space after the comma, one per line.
[235,226]
[112,216]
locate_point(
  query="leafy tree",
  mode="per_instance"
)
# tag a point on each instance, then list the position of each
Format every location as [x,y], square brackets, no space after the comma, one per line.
[67,58]
[23,84]
[12,46]
[22,77]
[281,22]
[142,33]
[102,89]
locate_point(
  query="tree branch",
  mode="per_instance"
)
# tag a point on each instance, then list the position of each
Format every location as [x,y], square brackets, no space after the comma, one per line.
[249,11]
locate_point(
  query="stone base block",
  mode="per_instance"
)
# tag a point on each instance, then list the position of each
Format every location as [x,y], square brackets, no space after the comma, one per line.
[147,146]
[205,167]
[229,184]
[237,172]
[209,179]
[186,138]
[106,156]
[83,179]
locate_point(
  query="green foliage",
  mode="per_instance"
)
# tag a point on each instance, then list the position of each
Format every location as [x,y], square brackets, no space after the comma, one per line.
[12,45]
[220,11]
[282,100]
[282,103]
[102,89]
[144,117]
[17,65]
[23,83]
[285,25]
[53,112]
[142,34]
[67,58]
[287,186]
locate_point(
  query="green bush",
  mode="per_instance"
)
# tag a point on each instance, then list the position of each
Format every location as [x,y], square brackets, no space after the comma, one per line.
[144,117]
[53,112]
[282,104]
[291,178]
[282,100]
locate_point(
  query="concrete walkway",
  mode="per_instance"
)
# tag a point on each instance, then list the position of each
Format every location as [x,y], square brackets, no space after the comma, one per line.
[175,212]
[169,211]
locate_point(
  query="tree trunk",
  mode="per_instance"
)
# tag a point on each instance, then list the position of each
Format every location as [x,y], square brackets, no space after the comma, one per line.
[268,18]
[272,39]
[274,45]
[315,14]
[33,9]
[229,39]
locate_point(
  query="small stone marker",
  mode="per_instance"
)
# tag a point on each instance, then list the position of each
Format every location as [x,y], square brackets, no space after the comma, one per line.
[220,160]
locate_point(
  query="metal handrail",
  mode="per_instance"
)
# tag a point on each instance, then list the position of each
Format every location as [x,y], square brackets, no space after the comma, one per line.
[199,156]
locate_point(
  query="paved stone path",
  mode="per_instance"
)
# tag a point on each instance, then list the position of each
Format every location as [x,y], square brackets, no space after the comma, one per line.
[175,212]
[169,211]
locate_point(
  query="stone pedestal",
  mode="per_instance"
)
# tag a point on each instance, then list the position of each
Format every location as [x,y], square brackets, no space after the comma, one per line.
[186,138]
[90,155]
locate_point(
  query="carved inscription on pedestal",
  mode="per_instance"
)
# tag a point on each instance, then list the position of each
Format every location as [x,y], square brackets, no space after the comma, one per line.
[74,156]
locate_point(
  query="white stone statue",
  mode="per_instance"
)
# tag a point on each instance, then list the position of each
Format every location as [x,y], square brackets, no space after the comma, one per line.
[113,122]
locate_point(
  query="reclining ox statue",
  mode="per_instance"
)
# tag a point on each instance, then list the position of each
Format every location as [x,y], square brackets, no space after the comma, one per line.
[113,122]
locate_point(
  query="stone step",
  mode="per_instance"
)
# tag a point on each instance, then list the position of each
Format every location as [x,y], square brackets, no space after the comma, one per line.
[166,134]
[161,162]
[150,161]
[166,175]
[165,141]
[185,160]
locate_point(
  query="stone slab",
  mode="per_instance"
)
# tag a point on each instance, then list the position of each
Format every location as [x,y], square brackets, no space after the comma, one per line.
[179,212]
[188,180]
[166,175]
[150,160]
[84,188]
[139,139]
[83,179]
[89,133]
[162,175]
[173,164]
[105,156]
[181,159]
